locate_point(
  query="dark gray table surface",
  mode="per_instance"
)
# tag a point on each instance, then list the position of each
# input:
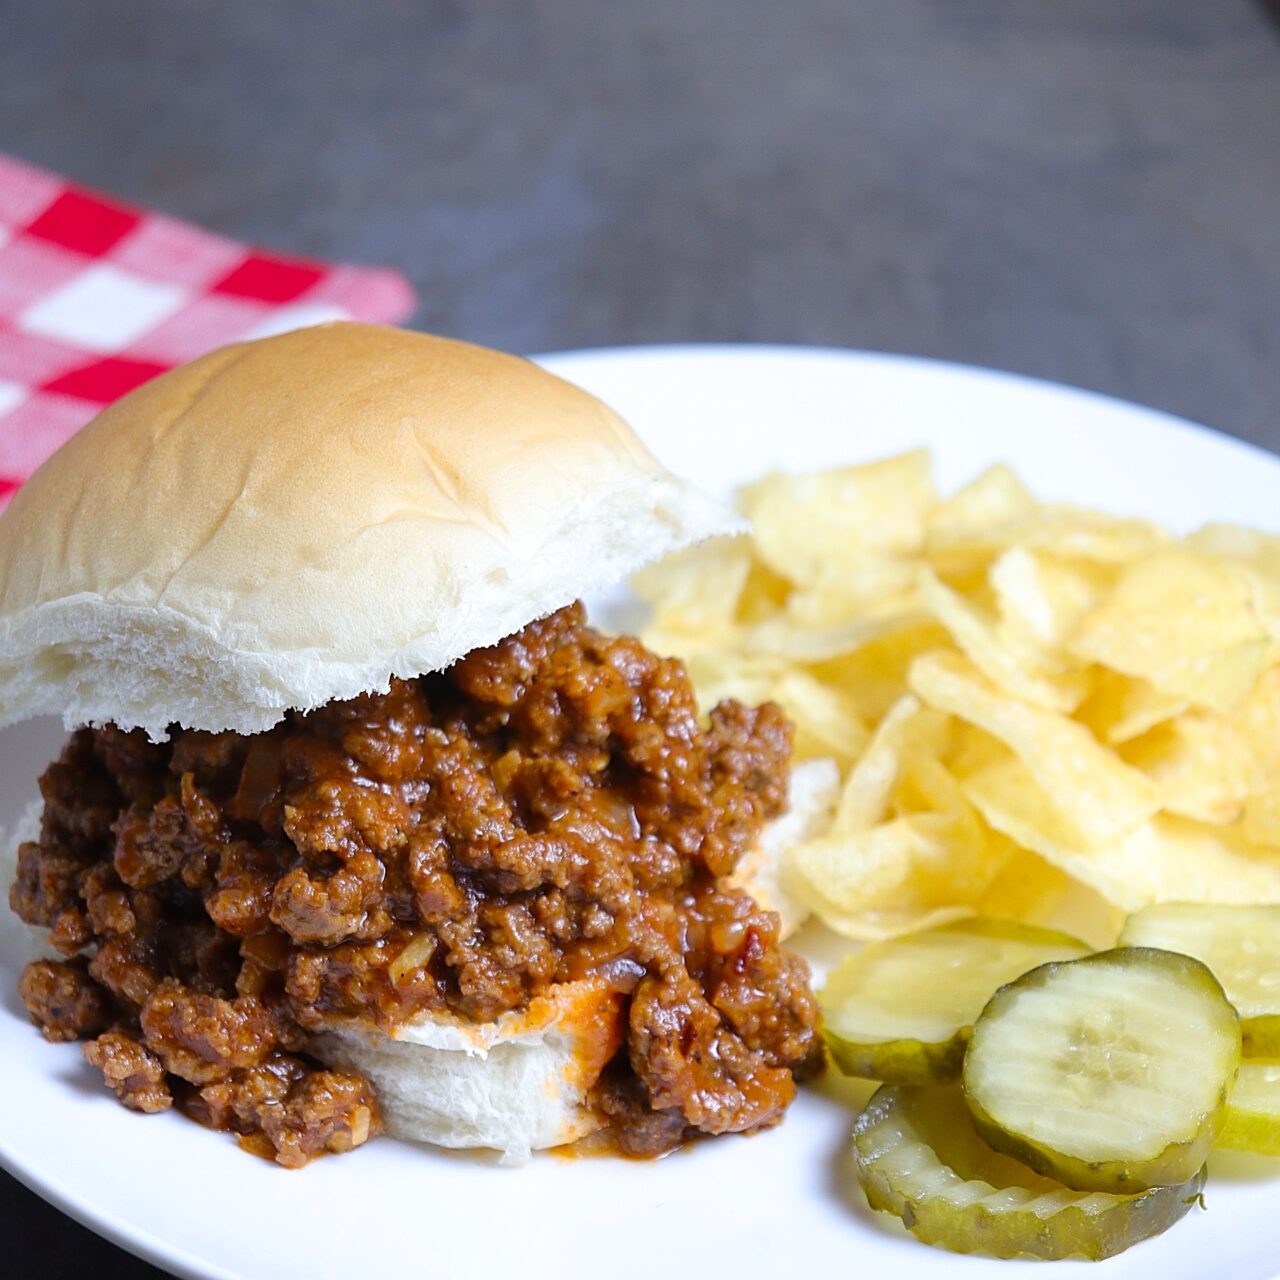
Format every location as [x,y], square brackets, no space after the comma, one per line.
[1085,190]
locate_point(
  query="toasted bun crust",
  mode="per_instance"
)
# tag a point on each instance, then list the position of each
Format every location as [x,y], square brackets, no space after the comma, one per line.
[291,521]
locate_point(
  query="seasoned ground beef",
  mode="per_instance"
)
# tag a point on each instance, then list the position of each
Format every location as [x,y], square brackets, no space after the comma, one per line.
[547,809]
[131,1069]
[64,1000]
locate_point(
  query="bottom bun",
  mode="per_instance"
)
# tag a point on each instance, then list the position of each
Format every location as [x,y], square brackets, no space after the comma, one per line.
[515,1085]
[523,1082]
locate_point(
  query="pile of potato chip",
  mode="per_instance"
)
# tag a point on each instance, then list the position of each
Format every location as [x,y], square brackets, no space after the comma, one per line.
[1039,712]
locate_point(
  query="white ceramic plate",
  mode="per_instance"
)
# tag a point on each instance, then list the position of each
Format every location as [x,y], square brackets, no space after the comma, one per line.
[782,1203]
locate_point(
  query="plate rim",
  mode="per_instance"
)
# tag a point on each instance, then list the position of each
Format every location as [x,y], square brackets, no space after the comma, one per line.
[960,369]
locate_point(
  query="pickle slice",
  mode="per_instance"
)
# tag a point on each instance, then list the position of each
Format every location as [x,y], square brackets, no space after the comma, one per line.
[1241,944]
[1253,1111]
[1109,1073]
[919,1158]
[901,1010]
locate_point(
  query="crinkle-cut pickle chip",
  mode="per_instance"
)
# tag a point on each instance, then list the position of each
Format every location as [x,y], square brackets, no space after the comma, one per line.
[918,1158]
[901,1010]
[1108,1073]
[1253,1114]
[1241,946]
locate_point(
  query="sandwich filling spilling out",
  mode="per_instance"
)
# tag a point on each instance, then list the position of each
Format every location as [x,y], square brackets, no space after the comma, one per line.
[546,811]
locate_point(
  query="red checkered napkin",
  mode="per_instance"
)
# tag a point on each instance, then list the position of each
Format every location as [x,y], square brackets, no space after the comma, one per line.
[97,297]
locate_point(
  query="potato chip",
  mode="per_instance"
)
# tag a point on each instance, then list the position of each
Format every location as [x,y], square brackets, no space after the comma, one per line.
[764,595]
[992,500]
[826,720]
[1261,824]
[972,749]
[1260,552]
[1070,533]
[1215,652]
[926,785]
[1206,764]
[1026,888]
[1012,666]
[908,730]
[1099,795]
[807,526]
[877,583]
[894,875]
[874,925]
[1038,711]
[1036,892]
[697,591]
[1122,707]
[1235,542]
[1201,768]
[1076,533]
[1164,859]
[744,677]
[1041,600]
[1257,722]
[875,676]
[782,637]
[1084,913]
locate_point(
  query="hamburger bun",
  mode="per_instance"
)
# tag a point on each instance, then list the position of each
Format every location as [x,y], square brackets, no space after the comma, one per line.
[299,519]
[514,1085]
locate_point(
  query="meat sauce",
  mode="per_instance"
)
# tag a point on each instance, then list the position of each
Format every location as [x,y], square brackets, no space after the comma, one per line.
[546,810]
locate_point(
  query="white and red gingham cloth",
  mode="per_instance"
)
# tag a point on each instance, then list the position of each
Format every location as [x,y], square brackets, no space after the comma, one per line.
[96,297]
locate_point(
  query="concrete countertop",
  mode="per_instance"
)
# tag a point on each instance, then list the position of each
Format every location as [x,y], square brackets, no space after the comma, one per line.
[1088,192]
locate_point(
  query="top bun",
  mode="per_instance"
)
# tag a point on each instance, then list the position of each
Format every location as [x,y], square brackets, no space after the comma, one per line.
[287,522]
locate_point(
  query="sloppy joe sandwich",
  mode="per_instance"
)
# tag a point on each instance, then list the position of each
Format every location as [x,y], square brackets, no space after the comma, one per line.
[361,825]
